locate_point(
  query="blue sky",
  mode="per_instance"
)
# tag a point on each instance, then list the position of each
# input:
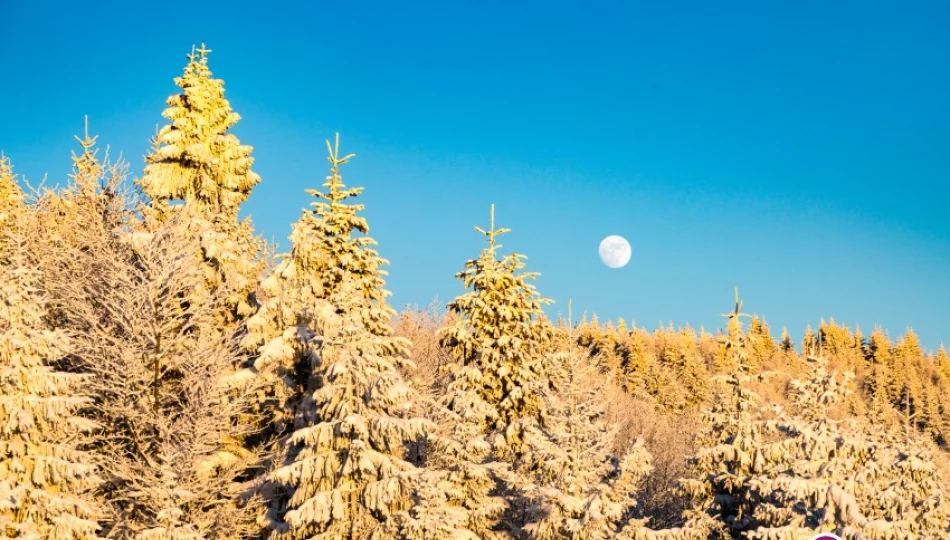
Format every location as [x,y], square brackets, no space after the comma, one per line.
[797,150]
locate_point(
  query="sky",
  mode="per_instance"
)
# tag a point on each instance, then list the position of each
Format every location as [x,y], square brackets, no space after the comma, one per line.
[799,151]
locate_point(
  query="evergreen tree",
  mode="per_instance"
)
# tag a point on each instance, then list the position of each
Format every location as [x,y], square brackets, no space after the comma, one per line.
[195,160]
[573,484]
[942,363]
[171,430]
[330,246]
[809,343]
[761,340]
[346,469]
[11,201]
[689,370]
[351,467]
[858,345]
[87,168]
[637,363]
[729,443]
[857,481]
[46,481]
[77,221]
[498,336]
[787,345]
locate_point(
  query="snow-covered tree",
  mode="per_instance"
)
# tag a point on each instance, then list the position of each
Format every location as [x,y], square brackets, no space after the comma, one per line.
[345,468]
[11,200]
[196,160]
[729,443]
[91,211]
[575,479]
[351,467]
[803,472]
[857,480]
[171,431]
[573,486]
[498,337]
[330,245]
[46,481]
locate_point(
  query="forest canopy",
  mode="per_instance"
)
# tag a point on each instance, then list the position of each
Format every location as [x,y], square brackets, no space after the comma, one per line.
[165,375]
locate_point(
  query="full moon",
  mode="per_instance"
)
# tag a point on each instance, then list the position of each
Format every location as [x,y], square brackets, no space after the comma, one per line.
[615,251]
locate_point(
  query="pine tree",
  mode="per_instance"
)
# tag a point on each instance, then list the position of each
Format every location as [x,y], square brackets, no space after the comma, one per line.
[498,337]
[330,246]
[352,466]
[76,221]
[942,363]
[11,200]
[157,357]
[46,481]
[87,168]
[787,345]
[761,340]
[637,363]
[729,444]
[857,481]
[196,160]
[858,343]
[573,485]
[809,342]
[688,368]
[345,470]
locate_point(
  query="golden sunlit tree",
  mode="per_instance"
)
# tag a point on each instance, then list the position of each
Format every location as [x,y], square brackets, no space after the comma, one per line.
[11,199]
[329,246]
[498,337]
[197,162]
[46,481]
[350,468]
[574,484]
[728,454]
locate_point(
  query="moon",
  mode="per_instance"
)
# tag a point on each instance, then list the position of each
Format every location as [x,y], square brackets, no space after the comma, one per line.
[614,251]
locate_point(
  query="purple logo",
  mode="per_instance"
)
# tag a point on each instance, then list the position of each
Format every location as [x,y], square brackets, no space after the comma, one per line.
[826,536]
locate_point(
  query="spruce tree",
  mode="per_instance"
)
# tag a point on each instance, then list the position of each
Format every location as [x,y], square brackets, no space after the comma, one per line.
[77,221]
[46,481]
[787,345]
[11,201]
[498,337]
[574,485]
[856,480]
[330,246]
[196,161]
[942,363]
[345,469]
[761,340]
[351,467]
[11,196]
[728,454]
[87,167]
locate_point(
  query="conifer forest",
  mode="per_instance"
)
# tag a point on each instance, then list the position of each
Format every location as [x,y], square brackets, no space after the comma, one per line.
[165,375]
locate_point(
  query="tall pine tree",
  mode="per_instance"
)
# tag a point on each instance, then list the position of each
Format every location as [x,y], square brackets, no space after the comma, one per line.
[349,468]
[499,335]
[198,162]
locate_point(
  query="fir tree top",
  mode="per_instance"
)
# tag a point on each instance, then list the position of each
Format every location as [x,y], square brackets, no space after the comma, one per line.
[331,242]
[195,159]
[87,169]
